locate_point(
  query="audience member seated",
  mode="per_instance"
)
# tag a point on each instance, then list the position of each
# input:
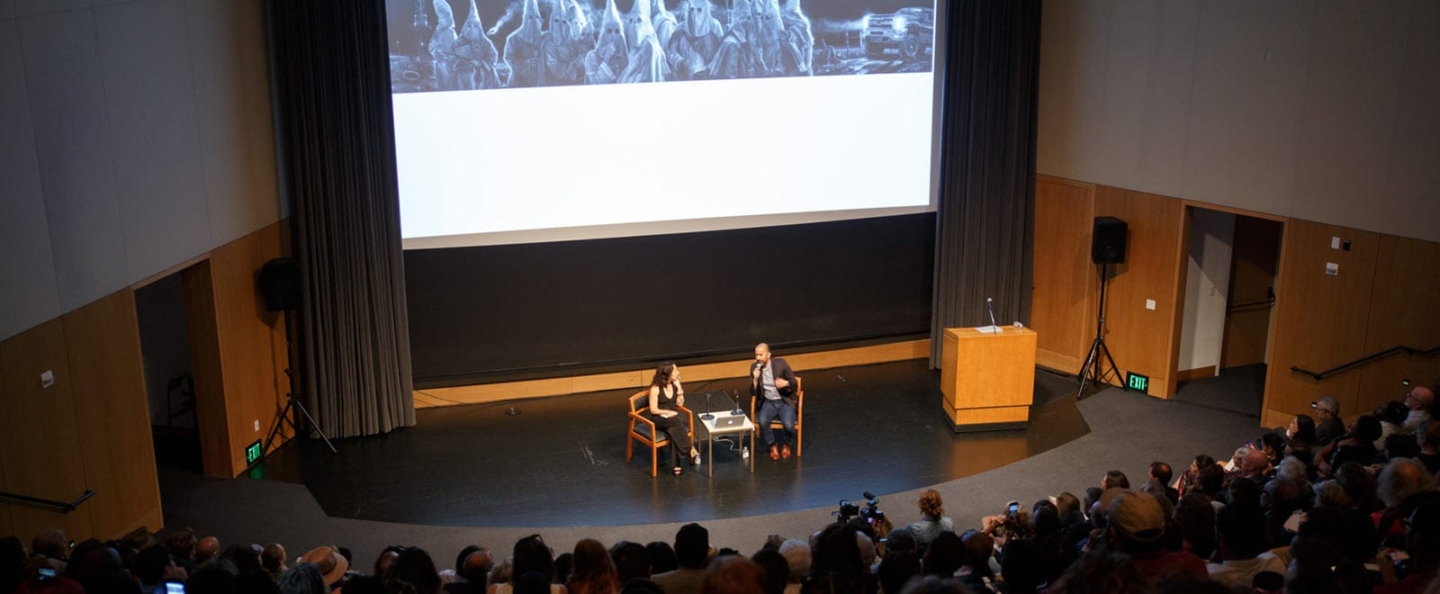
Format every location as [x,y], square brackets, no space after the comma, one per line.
[593,572]
[1429,439]
[1195,520]
[631,562]
[1243,548]
[1392,417]
[797,557]
[1159,476]
[1422,549]
[1420,400]
[1328,426]
[662,557]
[1136,528]
[932,520]
[774,568]
[692,551]
[1114,479]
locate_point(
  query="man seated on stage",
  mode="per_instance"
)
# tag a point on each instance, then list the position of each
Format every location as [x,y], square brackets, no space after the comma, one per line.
[772,379]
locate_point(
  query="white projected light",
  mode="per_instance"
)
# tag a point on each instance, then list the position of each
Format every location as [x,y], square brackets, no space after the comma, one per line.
[566,119]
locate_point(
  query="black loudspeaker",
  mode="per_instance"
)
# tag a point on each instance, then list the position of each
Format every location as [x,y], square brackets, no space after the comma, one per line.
[280,284]
[1107,244]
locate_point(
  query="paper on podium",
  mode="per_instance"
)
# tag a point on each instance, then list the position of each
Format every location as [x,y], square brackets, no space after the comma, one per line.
[988,329]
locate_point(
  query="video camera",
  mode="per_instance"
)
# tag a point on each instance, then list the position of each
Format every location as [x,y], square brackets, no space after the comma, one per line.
[870,513]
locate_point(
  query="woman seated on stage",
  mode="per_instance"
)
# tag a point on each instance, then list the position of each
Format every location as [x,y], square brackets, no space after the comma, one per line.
[666,395]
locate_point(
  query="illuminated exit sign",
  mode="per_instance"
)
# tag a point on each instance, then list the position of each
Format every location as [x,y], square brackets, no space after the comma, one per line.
[253,453]
[1137,382]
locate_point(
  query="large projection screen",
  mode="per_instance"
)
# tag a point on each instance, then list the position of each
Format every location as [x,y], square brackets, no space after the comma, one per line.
[595,184]
[520,121]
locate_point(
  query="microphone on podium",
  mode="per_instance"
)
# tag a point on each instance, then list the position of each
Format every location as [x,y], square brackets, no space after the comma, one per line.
[990,305]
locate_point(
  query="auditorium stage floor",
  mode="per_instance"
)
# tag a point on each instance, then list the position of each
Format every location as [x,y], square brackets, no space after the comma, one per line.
[561,461]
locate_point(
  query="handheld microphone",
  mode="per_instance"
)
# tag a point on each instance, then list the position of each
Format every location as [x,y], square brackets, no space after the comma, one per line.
[990,305]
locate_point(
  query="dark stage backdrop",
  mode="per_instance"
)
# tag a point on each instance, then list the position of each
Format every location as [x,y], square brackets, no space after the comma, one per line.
[535,310]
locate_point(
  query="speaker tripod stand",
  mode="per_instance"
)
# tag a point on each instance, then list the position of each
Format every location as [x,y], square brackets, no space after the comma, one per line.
[293,405]
[1094,372]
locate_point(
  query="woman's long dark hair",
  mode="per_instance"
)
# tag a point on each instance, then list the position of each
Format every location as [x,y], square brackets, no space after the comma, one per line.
[662,375]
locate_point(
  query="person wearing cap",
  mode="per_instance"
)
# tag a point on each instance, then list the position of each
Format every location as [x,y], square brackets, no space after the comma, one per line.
[692,551]
[1137,528]
[1328,426]
[329,561]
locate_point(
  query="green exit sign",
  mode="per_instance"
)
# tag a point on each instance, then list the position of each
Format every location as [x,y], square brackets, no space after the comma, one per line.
[1137,382]
[253,453]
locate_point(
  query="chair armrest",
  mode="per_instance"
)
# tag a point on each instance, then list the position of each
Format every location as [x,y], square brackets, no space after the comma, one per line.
[690,415]
[635,416]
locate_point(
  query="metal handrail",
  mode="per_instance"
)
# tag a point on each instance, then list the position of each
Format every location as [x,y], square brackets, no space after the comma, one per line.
[61,506]
[1367,359]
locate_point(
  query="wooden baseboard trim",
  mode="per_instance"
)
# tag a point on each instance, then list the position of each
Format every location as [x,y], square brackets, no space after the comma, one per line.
[561,386]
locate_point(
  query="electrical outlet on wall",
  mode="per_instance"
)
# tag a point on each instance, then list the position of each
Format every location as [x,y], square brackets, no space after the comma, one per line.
[1150,304]
[47,379]
[257,424]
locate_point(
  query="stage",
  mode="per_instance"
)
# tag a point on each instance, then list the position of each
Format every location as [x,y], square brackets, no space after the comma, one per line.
[561,460]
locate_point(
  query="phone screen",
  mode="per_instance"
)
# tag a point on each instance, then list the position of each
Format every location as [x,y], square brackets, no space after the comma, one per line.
[174,588]
[46,573]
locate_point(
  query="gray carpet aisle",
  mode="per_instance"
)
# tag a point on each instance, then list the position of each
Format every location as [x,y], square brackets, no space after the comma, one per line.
[1128,432]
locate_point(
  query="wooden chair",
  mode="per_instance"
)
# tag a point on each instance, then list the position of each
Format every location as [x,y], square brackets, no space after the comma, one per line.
[776,424]
[642,429]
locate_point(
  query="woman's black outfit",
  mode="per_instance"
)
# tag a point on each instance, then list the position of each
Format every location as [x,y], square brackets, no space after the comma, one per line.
[677,426]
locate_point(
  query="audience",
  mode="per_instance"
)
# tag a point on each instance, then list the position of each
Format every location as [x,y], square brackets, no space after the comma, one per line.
[1314,507]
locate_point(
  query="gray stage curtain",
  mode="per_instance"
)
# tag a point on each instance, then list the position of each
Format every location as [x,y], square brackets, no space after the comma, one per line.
[332,79]
[984,218]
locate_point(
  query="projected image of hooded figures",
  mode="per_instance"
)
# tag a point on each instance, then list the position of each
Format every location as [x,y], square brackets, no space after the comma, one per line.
[797,47]
[442,46]
[522,49]
[769,29]
[605,63]
[664,23]
[475,56]
[693,46]
[739,56]
[647,60]
[566,44]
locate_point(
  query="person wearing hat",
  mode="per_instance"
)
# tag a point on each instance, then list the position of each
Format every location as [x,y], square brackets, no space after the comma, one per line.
[329,561]
[1137,528]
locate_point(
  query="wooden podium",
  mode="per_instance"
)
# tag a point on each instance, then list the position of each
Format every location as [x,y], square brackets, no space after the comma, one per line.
[988,379]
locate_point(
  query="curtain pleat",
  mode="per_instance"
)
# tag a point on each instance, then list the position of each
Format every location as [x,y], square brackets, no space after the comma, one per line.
[984,217]
[332,82]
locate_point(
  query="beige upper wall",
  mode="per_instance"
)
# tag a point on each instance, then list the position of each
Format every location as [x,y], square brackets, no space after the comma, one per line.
[137,135]
[1320,110]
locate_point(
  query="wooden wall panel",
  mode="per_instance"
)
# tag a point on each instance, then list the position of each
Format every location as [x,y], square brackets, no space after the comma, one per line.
[103,340]
[1253,268]
[211,418]
[251,340]
[1063,303]
[237,350]
[39,441]
[499,392]
[1320,320]
[1145,341]
[1402,312]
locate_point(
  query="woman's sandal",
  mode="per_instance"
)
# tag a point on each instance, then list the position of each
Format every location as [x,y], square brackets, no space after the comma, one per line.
[678,471]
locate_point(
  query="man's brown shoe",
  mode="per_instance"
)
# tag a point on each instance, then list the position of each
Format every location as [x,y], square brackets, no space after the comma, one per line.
[774,452]
[785,452]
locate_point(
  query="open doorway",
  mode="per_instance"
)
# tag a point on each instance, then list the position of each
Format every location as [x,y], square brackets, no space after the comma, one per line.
[1232,261]
[169,380]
